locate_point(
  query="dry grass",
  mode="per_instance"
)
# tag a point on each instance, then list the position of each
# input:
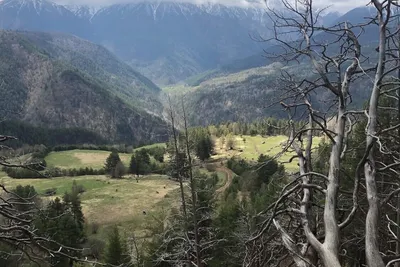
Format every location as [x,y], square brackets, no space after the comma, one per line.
[250,147]
[82,158]
[114,201]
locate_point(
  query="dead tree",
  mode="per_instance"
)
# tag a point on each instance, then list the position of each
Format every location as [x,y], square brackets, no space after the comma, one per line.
[335,55]
[199,261]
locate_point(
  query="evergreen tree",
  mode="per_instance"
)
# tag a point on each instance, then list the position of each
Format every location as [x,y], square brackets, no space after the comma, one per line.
[204,146]
[73,202]
[58,221]
[143,156]
[140,162]
[111,163]
[267,166]
[116,252]
[28,197]
[134,165]
[119,170]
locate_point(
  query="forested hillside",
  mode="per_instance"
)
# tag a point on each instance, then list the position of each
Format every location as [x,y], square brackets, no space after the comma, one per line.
[47,91]
[253,94]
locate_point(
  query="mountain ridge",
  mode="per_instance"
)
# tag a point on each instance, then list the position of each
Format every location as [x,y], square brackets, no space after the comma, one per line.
[45,90]
[150,37]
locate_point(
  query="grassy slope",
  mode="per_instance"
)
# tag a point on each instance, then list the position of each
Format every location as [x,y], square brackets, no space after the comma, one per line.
[124,200]
[86,158]
[82,158]
[114,201]
[253,146]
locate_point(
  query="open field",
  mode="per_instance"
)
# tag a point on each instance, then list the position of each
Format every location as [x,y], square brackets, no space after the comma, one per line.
[250,147]
[122,201]
[114,201]
[82,159]
[86,158]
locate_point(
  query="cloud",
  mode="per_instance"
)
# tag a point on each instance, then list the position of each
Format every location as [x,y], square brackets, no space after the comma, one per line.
[332,5]
[335,5]
[110,2]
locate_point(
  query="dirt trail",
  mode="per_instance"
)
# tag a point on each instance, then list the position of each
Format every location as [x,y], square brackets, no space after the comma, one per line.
[229,176]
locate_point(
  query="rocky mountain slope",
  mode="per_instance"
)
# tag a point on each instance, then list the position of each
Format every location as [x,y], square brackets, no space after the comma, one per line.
[367,37]
[98,62]
[166,41]
[45,85]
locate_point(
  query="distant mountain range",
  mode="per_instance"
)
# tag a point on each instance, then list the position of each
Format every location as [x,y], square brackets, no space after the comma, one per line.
[166,41]
[61,81]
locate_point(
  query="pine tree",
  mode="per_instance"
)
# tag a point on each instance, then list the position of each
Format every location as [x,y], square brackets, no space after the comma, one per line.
[111,163]
[73,202]
[119,170]
[134,165]
[140,162]
[116,252]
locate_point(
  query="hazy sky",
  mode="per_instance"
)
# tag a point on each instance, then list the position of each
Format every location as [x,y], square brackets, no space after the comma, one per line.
[337,5]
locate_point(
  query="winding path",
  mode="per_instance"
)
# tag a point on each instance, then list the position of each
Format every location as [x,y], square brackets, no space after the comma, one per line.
[229,177]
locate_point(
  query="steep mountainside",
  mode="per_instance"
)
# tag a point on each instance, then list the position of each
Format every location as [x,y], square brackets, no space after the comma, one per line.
[98,62]
[41,15]
[367,37]
[254,93]
[40,88]
[166,41]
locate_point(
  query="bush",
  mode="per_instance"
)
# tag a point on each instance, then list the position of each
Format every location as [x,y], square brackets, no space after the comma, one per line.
[157,152]
[19,173]
[238,166]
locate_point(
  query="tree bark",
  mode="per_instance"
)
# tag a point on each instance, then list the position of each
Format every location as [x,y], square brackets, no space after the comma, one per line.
[373,256]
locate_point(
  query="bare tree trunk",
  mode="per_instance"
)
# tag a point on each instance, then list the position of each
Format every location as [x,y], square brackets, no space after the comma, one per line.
[397,264]
[373,256]
[193,192]
[175,137]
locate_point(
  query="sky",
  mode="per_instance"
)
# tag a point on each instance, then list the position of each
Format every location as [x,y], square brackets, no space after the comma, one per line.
[336,5]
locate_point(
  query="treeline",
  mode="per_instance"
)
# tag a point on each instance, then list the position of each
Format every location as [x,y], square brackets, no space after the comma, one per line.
[30,172]
[33,135]
[121,148]
[36,166]
[265,127]
[140,163]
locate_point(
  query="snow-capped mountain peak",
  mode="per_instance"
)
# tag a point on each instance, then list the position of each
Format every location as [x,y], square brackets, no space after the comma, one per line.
[83,11]
[38,6]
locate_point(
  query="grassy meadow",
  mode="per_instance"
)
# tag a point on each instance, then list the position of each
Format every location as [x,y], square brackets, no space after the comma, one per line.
[79,158]
[122,201]
[113,201]
[250,147]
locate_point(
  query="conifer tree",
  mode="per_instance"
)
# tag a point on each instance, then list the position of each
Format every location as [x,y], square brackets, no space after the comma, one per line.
[116,252]
[111,163]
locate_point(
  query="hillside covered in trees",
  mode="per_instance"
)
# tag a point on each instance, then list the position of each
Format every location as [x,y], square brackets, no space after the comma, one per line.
[64,89]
